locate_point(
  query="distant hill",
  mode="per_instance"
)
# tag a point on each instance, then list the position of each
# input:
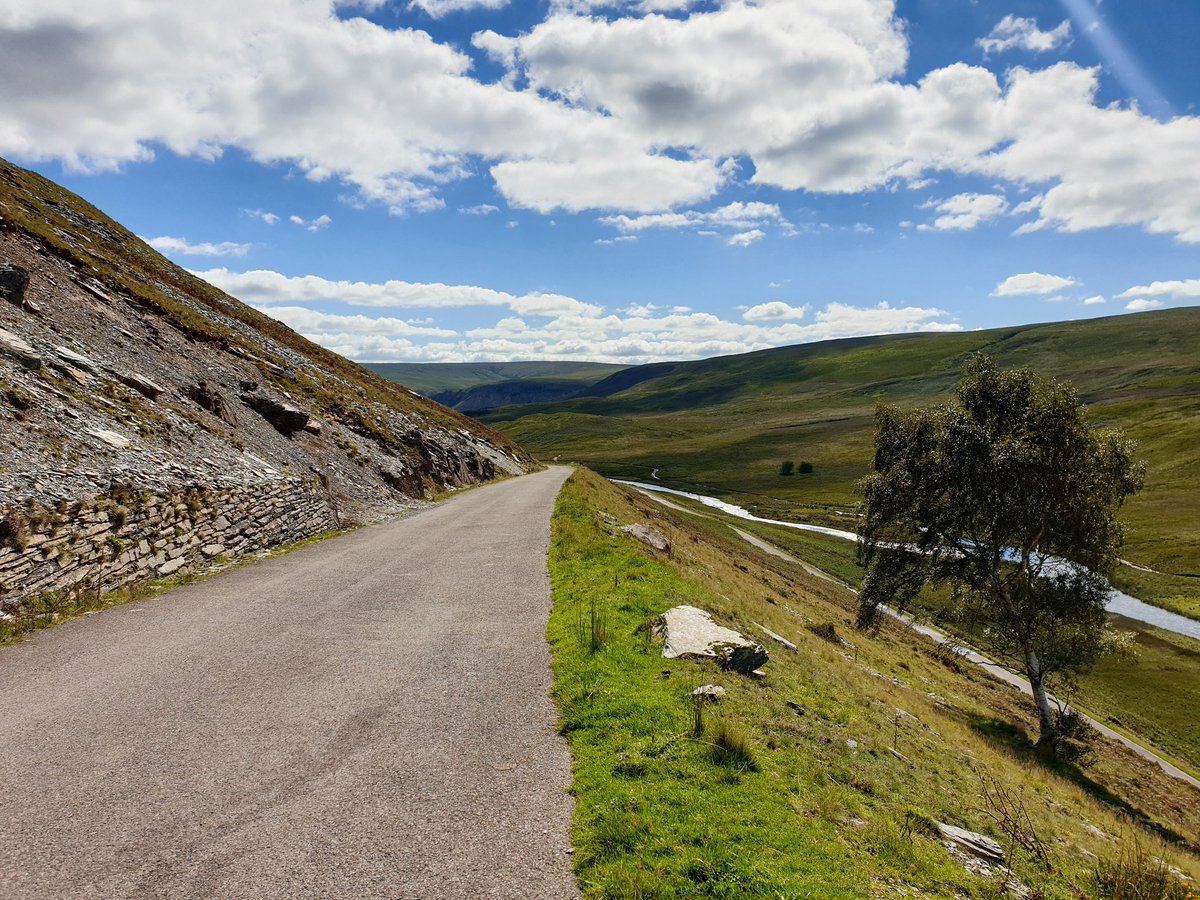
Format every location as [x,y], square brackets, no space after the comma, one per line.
[726,425]
[434,378]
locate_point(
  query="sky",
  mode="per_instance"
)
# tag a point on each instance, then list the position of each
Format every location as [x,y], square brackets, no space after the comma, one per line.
[631,180]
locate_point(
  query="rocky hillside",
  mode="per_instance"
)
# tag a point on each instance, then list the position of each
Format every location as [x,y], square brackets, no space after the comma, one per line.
[123,376]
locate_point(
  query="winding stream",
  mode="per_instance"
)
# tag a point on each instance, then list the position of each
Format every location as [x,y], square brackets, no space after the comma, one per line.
[1119,603]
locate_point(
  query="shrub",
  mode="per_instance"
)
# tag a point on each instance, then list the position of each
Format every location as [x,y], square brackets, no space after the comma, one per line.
[787,467]
[805,468]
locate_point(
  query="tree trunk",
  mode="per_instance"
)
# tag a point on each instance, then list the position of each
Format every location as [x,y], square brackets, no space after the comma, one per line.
[1037,681]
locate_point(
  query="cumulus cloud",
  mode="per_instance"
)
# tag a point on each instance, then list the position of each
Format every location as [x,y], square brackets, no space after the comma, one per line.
[1186,288]
[318,224]
[1142,305]
[1031,283]
[438,8]
[1016,32]
[746,219]
[183,247]
[623,112]
[776,310]
[541,325]
[745,238]
[262,215]
[1094,301]
[963,212]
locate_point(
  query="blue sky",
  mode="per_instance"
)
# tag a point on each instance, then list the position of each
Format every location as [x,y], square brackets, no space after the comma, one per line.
[449,180]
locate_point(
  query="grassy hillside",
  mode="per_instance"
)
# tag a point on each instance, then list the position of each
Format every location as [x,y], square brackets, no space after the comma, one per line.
[723,426]
[787,786]
[433,378]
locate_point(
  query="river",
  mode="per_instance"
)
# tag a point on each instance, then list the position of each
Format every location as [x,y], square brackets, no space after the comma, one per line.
[1119,603]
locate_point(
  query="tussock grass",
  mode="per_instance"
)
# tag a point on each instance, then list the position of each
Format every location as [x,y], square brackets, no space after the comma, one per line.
[658,815]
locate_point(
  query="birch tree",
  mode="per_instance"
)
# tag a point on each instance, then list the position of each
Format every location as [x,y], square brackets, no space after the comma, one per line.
[1008,497]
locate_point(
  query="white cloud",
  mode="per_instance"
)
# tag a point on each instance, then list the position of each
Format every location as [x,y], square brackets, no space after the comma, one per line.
[1094,301]
[746,238]
[543,325]
[1032,283]
[963,212]
[269,217]
[1142,305]
[1186,288]
[1016,32]
[776,310]
[319,223]
[747,219]
[438,8]
[482,209]
[183,247]
[623,112]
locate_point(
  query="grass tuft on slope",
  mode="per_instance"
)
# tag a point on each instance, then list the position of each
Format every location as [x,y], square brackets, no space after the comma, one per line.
[787,787]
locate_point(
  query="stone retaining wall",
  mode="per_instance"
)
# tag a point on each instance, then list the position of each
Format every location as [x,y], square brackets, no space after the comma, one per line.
[116,539]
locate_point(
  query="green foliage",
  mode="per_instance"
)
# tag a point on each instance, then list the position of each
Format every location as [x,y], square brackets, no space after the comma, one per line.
[806,468]
[787,467]
[1006,495]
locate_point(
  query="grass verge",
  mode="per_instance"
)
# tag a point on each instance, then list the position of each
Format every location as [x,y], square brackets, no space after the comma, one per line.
[787,787]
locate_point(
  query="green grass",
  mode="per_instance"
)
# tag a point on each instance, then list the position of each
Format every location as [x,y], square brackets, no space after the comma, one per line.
[1153,696]
[768,799]
[723,426]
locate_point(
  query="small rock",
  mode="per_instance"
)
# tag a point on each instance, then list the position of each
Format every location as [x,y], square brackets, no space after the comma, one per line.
[78,360]
[15,347]
[13,281]
[775,637]
[852,743]
[285,418]
[974,843]
[691,632]
[900,756]
[143,385]
[171,566]
[713,691]
[647,536]
[111,438]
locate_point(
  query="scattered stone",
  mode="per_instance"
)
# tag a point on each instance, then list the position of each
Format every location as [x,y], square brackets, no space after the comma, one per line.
[313,427]
[15,347]
[711,691]
[796,707]
[208,397]
[172,566]
[78,360]
[691,632]
[13,281]
[976,844]
[900,756]
[143,385]
[111,438]
[648,536]
[285,418]
[775,637]
[852,743]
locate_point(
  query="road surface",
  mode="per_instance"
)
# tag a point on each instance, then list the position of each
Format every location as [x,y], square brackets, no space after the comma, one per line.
[364,718]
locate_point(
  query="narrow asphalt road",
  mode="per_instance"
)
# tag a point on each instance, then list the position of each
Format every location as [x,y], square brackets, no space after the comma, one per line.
[364,718]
